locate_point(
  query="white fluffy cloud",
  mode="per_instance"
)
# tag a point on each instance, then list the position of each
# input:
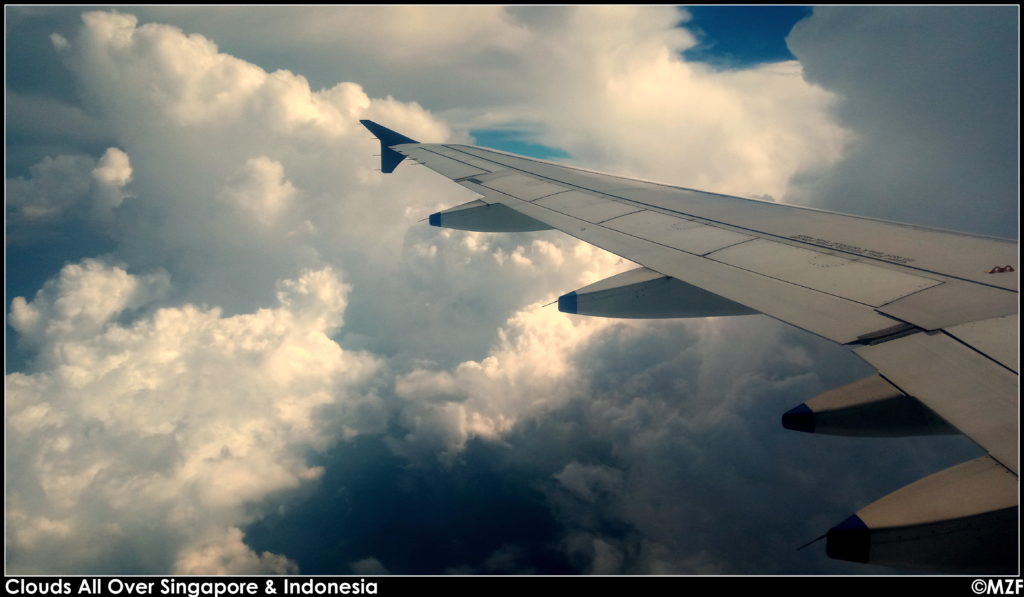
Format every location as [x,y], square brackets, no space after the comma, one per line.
[241,175]
[81,300]
[228,554]
[112,174]
[168,429]
[260,188]
[526,374]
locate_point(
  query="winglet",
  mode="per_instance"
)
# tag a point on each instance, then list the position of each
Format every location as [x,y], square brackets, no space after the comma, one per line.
[389,158]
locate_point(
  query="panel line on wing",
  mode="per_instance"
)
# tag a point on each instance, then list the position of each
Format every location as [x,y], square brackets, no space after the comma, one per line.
[861,299]
[523,186]
[467,159]
[684,234]
[444,165]
[982,353]
[602,222]
[855,280]
[551,195]
[711,193]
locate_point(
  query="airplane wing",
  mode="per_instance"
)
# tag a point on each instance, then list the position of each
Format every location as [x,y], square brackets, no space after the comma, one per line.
[935,312]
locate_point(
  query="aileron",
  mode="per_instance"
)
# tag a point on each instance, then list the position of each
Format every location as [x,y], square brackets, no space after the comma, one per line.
[995,338]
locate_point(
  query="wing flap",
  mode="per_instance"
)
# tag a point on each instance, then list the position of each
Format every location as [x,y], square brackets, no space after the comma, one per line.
[953,303]
[946,375]
[996,338]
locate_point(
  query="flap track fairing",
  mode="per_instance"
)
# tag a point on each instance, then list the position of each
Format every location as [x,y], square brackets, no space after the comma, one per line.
[485,217]
[962,518]
[869,407]
[646,294]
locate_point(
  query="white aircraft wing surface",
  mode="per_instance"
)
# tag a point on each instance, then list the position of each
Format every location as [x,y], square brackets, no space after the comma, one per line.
[934,311]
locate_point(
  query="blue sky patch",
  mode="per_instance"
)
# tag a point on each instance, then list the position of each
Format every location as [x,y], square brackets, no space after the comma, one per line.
[734,37]
[516,142]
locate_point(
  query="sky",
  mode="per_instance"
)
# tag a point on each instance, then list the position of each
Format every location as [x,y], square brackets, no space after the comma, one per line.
[233,347]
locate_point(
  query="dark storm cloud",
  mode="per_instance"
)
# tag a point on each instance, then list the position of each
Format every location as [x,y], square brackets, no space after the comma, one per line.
[931,95]
[710,480]
[477,515]
[645,471]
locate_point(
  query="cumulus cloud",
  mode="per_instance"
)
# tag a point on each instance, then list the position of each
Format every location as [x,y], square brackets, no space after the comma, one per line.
[607,85]
[82,300]
[627,101]
[67,191]
[144,445]
[227,554]
[56,184]
[112,174]
[527,373]
[260,188]
[240,175]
